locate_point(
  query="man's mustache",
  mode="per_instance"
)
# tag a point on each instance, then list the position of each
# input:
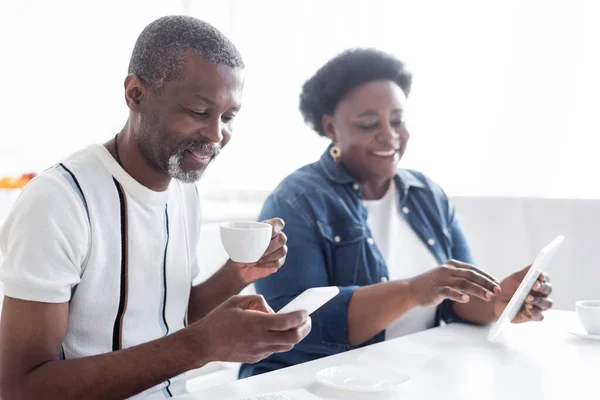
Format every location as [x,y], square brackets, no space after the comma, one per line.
[199,147]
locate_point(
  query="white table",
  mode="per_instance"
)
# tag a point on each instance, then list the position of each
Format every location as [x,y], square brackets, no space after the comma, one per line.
[535,361]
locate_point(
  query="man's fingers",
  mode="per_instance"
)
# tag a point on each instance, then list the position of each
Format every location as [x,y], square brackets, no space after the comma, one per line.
[290,336]
[280,341]
[462,265]
[274,348]
[284,322]
[278,348]
[277,242]
[274,256]
[253,303]
[278,225]
[470,288]
[272,265]
[285,341]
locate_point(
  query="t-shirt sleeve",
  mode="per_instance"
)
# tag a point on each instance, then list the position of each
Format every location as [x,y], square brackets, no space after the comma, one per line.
[44,241]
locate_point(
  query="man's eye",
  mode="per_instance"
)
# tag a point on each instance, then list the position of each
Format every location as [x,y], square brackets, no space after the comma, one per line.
[199,114]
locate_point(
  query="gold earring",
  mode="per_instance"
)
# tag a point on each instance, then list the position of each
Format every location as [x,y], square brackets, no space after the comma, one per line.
[336,154]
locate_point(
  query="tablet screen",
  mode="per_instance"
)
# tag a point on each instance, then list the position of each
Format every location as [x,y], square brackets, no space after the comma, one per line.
[516,302]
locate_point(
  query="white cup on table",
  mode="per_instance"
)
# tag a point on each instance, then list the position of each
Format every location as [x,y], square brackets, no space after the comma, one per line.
[588,312]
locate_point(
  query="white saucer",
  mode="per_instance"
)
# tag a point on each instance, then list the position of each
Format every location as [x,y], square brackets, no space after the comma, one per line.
[361,378]
[578,331]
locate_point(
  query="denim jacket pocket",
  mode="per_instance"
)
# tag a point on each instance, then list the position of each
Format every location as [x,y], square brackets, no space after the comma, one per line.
[346,243]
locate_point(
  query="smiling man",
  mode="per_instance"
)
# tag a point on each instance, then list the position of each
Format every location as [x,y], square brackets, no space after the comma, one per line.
[100,251]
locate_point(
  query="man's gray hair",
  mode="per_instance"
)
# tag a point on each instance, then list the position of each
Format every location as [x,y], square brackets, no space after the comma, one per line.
[158,53]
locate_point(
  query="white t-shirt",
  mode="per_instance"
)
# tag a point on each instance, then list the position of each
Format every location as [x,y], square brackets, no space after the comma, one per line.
[405,255]
[122,255]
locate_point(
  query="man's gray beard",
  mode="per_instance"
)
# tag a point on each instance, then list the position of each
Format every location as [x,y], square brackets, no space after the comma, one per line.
[176,171]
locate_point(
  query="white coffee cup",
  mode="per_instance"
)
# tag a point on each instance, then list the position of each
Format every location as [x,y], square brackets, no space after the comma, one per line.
[246,242]
[588,312]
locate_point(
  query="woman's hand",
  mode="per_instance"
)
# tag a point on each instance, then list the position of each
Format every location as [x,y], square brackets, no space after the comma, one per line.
[536,302]
[453,280]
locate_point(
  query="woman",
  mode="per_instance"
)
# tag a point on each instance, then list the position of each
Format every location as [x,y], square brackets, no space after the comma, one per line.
[387,237]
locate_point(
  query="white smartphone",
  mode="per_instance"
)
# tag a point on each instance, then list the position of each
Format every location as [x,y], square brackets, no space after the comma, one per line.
[310,300]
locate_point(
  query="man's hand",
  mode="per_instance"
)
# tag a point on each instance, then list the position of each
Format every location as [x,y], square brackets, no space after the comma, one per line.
[536,302]
[245,329]
[271,261]
[233,277]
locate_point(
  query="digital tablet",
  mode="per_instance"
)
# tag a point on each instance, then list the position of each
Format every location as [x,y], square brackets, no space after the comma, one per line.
[541,263]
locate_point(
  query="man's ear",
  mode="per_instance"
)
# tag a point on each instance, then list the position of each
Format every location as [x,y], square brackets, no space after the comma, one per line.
[135,92]
[329,128]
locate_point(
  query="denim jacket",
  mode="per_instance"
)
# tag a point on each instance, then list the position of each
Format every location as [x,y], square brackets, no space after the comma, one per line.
[326,226]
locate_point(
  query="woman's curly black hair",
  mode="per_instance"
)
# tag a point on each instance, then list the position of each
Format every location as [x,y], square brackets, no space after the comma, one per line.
[321,93]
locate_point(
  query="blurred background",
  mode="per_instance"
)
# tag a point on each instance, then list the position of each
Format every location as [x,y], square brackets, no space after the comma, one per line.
[504,103]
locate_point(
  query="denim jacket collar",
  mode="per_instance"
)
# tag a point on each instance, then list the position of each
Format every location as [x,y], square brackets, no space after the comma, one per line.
[340,175]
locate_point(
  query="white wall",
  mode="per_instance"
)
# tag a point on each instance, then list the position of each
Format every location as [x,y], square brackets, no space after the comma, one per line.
[504,99]
[63,67]
[507,233]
